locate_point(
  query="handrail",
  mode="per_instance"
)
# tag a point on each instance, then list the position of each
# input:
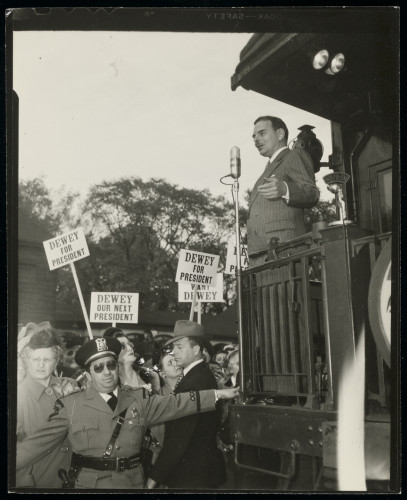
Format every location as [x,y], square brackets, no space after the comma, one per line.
[298,241]
[312,238]
[273,264]
[372,238]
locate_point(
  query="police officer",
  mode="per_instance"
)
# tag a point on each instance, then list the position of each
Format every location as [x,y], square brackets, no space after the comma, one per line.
[106,423]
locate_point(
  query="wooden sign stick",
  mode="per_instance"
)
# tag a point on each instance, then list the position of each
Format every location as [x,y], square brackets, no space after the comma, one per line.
[191,314]
[200,313]
[78,288]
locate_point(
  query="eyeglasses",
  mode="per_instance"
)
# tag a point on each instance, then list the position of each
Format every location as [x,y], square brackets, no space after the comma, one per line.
[110,365]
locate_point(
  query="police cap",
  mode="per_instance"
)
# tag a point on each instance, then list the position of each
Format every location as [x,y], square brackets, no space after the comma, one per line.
[97,348]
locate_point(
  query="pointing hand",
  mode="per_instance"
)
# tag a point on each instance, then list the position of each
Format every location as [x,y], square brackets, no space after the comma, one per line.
[273,188]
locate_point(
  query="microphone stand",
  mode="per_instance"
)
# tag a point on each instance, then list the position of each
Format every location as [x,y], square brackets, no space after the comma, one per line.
[239,286]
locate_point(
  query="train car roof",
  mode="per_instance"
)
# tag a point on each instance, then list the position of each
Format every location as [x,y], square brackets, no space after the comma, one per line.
[279,65]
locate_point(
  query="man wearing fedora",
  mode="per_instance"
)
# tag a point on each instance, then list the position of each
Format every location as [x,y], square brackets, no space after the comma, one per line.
[190,457]
[105,423]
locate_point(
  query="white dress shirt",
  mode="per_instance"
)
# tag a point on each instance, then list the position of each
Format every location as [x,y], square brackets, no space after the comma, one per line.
[106,396]
[276,153]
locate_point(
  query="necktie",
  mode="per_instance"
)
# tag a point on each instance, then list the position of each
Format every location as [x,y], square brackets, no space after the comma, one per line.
[179,380]
[112,402]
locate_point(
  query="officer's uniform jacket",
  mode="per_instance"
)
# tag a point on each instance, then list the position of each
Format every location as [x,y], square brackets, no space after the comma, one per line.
[89,422]
[34,405]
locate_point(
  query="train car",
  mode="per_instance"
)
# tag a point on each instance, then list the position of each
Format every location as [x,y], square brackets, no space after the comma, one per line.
[299,336]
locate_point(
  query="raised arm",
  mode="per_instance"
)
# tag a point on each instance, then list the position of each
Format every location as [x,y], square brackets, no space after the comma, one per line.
[158,409]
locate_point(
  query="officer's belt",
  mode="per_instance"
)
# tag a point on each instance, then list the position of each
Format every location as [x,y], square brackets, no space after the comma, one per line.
[119,464]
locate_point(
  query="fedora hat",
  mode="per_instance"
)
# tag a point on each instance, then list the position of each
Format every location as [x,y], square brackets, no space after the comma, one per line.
[184,328]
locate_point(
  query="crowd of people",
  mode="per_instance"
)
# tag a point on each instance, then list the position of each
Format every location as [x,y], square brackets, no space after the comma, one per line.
[169,438]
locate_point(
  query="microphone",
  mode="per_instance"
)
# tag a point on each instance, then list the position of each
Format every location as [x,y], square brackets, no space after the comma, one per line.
[235,169]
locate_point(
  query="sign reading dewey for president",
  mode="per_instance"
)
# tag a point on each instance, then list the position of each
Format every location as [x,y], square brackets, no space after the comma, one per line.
[230,267]
[197,268]
[66,248]
[111,307]
[204,293]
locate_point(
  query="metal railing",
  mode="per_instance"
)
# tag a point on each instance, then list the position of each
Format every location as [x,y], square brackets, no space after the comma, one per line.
[286,342]
[282,318]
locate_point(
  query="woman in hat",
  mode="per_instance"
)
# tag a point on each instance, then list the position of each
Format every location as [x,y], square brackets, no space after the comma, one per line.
[130,372]
[36,396]
[208,353]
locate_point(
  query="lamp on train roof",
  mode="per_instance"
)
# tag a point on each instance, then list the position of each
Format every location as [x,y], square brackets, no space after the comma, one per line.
[337,64]
[320,59]
[333,65]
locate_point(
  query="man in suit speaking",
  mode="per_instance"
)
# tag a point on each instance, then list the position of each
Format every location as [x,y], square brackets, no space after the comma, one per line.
[276,210]
[284,189]
[190,457]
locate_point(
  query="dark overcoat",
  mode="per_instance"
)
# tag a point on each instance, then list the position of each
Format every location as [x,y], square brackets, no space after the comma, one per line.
[190,457]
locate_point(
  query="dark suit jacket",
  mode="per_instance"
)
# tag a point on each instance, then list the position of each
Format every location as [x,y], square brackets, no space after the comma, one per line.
[229,383]
[277,218]
[190,457]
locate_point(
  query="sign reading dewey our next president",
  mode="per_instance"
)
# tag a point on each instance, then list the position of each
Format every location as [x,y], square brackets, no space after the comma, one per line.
[67,248]
[114,307]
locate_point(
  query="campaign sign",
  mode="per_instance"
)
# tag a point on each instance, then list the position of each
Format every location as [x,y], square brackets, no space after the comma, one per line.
[204,293]
[230,267]
[197,268]
[66,248]
[112,307]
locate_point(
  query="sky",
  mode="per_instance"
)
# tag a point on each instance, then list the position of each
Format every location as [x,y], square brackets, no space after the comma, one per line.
[99,106]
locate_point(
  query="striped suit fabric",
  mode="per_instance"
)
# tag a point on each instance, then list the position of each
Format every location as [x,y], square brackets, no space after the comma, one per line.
[277,218]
